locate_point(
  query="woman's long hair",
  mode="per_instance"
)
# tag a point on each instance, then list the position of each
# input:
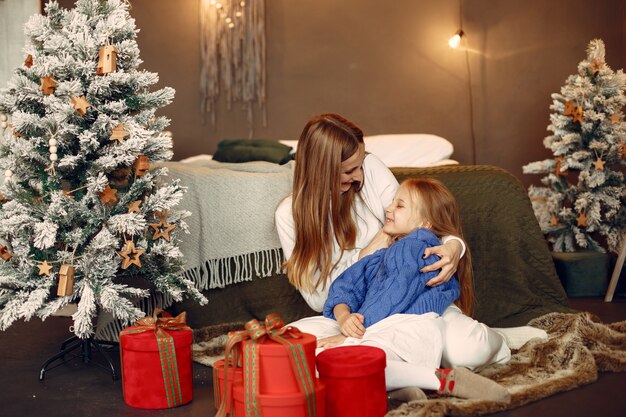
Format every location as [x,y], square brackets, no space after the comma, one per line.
[436,204]
[326,141]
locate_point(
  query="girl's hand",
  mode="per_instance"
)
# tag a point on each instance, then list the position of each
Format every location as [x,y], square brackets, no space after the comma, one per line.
[380,241]
[450,254]
[331,341]
[352,325]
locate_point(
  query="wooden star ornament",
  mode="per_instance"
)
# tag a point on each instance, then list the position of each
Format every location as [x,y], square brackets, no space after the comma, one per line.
[615,118]
[162,228]
[28,62]
[569,108]
[599,164]
[578,115]
[44,268]
[134,206]
[80,104]
[597,65]
[130,255]
[119,133]
[108,195]
[582,220]
[48,85]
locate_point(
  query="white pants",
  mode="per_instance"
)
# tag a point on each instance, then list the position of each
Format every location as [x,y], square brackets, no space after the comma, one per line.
[416,345]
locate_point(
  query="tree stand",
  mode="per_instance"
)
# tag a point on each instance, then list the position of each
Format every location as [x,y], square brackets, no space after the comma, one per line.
[85,345]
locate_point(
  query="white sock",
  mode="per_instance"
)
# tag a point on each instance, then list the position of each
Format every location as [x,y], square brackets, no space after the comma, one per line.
[516,337]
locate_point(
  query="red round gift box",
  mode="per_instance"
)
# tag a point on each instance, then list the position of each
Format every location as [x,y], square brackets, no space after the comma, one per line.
[282,405]
[142,378]
[235,376]
[354,377]
[276,374]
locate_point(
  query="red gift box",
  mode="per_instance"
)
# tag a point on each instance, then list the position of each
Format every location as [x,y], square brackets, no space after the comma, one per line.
[354,377]
[156,362]
[282,405]
[276,375]
[220,384]
[278,362]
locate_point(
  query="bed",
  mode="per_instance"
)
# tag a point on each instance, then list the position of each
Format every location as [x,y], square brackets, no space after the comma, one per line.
[395,150]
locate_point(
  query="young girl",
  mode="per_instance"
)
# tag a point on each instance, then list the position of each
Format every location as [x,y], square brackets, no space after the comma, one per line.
[383,300]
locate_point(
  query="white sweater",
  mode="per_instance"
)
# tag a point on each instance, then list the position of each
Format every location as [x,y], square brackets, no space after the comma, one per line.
[379,189]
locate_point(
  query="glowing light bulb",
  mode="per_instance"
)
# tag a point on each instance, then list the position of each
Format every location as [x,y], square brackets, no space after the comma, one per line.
[455,40]
[231,25]
[228,20]
[218,6]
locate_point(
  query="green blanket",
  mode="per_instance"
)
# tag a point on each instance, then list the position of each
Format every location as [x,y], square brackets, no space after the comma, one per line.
[515,278]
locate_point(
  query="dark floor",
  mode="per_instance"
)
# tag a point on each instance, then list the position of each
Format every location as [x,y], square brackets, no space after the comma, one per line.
[83,390]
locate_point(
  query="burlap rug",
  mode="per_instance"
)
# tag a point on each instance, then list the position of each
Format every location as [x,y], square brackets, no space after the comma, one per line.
[578,347]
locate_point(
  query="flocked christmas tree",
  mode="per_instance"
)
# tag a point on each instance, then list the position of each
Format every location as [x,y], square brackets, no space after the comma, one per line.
[80,211]
[582,202]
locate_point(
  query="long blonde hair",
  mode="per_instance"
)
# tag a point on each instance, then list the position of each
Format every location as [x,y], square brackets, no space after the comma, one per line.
[436,204]
[326,141]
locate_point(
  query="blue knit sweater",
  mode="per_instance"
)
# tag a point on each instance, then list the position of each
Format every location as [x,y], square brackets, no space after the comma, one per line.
[389,282]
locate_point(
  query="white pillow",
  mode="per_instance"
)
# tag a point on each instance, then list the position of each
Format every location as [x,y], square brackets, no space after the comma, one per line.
[405,149]
[408,149]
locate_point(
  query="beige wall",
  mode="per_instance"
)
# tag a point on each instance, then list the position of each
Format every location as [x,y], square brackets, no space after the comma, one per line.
[387,66]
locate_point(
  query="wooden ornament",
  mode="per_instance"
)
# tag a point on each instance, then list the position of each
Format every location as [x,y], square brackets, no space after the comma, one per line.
[559,162]
[599,164]
[130,255]
[80,104]
[108,195]
[141,165]
[582,220]
[578,115]
[107,60]
[5,254]
[28,62]
[66,280]
[2,198]
[615,118]
[597,65]
[44,268]
[68,194]
[162,228]
[119,133]
[48,85]
[622,152]
[554,220]
[134,206]
[569,108]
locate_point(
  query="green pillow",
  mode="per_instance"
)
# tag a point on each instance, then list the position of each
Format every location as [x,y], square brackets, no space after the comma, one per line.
[245,150]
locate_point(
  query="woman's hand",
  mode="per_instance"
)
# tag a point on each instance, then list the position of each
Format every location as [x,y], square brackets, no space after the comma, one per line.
[380,241]
[331,341]
[450,254]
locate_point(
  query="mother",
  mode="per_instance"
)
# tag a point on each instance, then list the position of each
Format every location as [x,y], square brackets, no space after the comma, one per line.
[335,216]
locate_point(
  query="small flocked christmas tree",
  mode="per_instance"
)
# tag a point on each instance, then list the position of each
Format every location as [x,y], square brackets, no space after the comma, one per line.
[80,211]
[582,203]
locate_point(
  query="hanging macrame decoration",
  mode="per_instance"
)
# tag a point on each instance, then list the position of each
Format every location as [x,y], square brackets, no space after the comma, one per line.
[232,43]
